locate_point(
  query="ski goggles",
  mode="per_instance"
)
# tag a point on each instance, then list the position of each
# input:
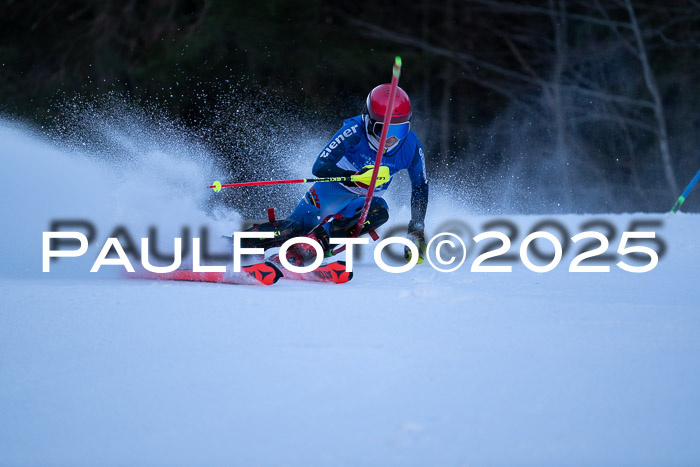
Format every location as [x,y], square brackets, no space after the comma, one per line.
[398,130]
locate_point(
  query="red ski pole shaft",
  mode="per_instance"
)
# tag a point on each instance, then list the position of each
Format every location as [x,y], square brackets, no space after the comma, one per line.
[396,72]
[266,182]
[218,185]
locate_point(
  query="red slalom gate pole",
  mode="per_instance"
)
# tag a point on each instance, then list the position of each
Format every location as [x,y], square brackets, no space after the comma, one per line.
[396,72]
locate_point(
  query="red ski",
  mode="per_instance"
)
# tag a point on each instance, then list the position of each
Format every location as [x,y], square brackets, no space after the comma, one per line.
[256,274]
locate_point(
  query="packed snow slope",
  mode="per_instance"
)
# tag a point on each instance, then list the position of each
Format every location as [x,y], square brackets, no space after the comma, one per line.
[419,368]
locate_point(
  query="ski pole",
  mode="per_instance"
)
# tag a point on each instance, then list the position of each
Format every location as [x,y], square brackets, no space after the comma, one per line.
[396,72]
[686,192]
[365,178]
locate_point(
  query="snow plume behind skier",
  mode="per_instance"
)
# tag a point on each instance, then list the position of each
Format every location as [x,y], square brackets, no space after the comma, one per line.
[332,209]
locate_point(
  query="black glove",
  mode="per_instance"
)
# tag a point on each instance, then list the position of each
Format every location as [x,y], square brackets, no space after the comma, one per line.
[417,235]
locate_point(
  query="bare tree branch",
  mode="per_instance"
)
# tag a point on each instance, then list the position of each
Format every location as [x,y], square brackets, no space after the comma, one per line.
[619,119]
[659,114]
[468,61]
[528,9]
[616,29]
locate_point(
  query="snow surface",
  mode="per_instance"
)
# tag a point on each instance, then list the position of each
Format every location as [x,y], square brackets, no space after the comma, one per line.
[420,368]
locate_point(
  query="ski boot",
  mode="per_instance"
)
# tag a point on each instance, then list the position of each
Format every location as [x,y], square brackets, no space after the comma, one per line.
[284,229]
[301,254]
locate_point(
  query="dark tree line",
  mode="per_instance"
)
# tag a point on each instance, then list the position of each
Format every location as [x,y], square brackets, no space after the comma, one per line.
[562,105]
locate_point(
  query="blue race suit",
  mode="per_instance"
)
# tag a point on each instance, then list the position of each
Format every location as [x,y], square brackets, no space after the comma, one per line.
[347,153]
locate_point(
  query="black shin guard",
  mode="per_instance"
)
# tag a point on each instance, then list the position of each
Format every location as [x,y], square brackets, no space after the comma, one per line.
[345,227]
[284,230]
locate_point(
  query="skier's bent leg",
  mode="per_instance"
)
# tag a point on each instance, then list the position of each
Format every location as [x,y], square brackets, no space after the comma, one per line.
[340,227]
[306,214]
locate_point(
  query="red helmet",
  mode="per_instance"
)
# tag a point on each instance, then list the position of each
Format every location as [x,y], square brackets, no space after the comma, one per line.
[378,99]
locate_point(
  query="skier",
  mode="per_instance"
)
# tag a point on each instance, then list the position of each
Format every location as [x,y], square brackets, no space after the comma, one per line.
[332,209]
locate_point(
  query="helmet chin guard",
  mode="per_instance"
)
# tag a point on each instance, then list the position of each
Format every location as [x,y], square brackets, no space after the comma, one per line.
[373,130]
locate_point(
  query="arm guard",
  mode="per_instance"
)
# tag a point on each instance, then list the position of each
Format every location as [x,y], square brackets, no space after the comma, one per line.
[325,167]
[326,164]
[419,190]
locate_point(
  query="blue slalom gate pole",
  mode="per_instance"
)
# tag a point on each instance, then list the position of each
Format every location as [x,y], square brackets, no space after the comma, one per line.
[685,193]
